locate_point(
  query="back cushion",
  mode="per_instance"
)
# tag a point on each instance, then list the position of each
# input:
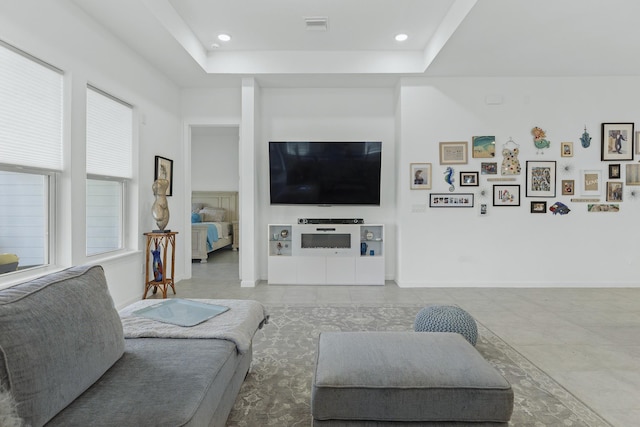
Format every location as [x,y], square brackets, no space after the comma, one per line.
[58,335]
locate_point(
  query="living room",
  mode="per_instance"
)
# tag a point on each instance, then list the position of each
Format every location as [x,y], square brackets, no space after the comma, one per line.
[425,247]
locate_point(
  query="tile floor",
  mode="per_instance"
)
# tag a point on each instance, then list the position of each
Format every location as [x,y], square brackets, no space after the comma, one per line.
[586,339]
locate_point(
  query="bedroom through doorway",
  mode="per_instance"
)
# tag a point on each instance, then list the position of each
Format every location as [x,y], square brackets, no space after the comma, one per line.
[214,189]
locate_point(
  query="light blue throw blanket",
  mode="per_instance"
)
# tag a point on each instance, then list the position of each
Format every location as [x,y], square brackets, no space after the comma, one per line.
[212,236]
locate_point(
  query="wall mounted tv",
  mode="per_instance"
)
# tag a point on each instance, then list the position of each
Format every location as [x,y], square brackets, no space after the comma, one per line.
[325,173]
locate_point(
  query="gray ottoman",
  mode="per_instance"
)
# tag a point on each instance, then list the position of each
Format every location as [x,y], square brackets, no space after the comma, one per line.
[405,378]
[447,318]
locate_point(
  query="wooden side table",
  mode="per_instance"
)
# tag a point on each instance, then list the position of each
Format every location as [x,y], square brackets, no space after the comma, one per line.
[160,242]
[236,236]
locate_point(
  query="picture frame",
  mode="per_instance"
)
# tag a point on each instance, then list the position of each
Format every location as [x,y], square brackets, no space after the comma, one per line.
[591,183]
[614,171]
[566,149]
[541,178]
[614,191]
[489,168]
[636,140]
[420,176]
[448,200]
[538,207]
[453,153]
[632,174]
[568,187]
[469,179]
[506,195]
[483,147]
[617,141]
[164,166]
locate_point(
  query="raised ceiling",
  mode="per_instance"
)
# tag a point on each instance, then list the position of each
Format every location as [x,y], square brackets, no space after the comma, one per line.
[446,38]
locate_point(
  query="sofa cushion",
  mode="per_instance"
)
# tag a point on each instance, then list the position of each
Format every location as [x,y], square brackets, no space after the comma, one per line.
[60,334]
[178,382]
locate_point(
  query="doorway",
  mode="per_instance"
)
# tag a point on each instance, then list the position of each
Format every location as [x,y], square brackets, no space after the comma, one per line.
[214,162]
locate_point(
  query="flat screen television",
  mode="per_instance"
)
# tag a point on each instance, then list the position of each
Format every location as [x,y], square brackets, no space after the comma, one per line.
[325,173]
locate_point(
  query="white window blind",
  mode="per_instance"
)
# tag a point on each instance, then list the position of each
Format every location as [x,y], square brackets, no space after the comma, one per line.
[30,112]
[109,135]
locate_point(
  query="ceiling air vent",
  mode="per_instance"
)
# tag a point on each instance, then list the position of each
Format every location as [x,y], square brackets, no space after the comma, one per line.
[316,23]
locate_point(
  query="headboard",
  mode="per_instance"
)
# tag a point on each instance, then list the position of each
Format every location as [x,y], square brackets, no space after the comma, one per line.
[218,199]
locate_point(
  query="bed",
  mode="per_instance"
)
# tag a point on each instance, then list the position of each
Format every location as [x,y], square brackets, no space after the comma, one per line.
[214,222]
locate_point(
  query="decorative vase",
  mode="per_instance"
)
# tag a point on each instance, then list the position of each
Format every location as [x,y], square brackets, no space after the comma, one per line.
[157,266]
[363,248]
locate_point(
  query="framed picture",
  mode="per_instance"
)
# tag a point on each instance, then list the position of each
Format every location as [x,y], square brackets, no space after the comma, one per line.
[566,149]
[469,179]
[506,195]
[636,140]
[489,168]
[591,183]
[568,187]
[632,174]
[617,141]
[541,179]
[164,169]
[444,200]
[538,207]
[420,176]
[614,171]
[453,153]
[614,191]
[484,147]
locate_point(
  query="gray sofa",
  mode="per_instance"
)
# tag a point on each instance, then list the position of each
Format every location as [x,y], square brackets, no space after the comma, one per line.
[65,362]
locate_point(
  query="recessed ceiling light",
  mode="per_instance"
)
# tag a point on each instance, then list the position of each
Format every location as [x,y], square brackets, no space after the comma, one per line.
[224,37]
[401,37]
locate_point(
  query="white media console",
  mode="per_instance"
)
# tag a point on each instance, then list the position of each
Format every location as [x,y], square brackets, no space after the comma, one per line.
[326,254]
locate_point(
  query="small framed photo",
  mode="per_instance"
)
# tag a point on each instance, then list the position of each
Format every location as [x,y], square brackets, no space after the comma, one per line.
[636,140]
[538,207]
[591,182]
[632,174]
[541,179]
[506,195]
[457,200]
[566,149]
[484,147]
[420,176]
[453,153]
[614,191]
[614,171]
[469,179]
[164,170]
[568,187]
[617,141]
[489,168]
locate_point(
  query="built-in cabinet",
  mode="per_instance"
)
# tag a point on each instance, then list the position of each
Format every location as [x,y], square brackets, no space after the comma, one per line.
[326,254]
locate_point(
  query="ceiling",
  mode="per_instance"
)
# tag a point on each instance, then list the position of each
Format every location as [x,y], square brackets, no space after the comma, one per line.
[270,39]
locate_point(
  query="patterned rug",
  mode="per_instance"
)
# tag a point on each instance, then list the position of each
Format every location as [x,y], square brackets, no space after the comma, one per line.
[277,391]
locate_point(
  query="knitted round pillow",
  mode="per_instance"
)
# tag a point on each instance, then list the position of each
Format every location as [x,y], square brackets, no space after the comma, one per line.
[447,318]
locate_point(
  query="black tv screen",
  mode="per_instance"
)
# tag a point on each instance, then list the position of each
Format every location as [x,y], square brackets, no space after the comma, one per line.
[325,173]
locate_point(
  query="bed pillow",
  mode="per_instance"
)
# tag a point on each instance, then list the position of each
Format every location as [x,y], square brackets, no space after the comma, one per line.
[195,217]
[196,207]
[213,214]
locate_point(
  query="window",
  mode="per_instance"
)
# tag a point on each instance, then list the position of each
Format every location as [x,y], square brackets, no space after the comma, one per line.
[109,160]
[30,154]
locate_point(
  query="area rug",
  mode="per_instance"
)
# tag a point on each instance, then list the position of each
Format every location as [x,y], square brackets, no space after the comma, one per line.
[277,391]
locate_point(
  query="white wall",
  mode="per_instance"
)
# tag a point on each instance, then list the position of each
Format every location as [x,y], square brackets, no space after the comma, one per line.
[327,115]
[61,34]
[214,158]
[511,246]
